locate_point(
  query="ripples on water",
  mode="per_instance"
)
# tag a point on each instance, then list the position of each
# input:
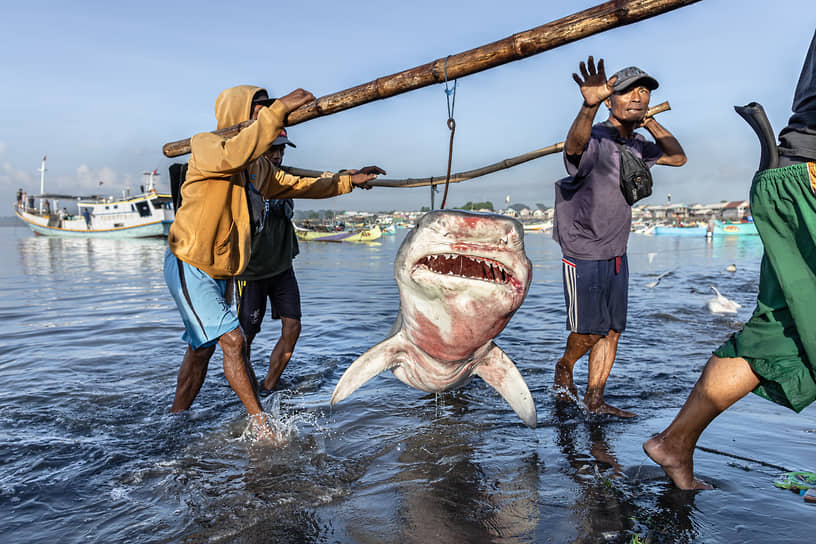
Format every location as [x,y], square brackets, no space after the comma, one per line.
[90,454]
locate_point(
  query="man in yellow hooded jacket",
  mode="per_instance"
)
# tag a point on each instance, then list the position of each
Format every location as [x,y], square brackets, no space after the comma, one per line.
[209,241]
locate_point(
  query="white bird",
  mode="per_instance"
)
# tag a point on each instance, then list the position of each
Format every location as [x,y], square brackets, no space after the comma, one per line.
[731,268]
[722,305]
[660,277]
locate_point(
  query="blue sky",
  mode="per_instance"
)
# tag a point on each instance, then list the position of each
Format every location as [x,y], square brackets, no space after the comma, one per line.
[101,86]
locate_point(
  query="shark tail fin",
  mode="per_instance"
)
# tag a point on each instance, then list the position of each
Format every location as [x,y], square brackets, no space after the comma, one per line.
[367,365]
[501,373]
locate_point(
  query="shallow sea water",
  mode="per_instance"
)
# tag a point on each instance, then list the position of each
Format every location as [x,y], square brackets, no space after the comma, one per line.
[90,453]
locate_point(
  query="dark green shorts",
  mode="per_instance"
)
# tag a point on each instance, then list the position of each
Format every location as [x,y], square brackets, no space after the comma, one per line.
[779,341]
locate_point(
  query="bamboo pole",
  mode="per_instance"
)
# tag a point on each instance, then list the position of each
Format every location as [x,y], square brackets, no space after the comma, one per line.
[470,174]
[611,14]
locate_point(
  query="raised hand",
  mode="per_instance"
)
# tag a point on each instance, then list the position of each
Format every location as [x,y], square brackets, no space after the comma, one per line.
[594,86]
[361,177]
[296,99]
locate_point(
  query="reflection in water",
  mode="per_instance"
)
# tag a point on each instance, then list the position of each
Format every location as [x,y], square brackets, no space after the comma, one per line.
[446,495]
[41,255]
[611,505]
[422,483]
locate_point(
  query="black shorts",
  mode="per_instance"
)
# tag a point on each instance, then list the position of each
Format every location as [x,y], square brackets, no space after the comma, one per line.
[284,300]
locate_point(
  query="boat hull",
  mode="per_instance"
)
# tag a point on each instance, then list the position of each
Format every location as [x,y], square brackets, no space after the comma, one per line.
[679,231]
[367,235]
[141,231]
[735,228]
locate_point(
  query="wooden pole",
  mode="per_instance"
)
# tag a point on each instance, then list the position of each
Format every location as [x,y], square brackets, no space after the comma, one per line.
[611,14]
[470,174]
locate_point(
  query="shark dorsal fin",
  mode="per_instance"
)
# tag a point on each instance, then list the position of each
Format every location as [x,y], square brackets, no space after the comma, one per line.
[501,373]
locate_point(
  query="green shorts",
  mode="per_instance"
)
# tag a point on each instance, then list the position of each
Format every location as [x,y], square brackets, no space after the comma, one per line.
[779,341]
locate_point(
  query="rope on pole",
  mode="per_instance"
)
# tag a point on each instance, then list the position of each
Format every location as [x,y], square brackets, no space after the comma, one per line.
[450,95]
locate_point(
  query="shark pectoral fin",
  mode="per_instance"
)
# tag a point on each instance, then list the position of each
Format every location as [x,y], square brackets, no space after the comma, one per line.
[499,371]
[367,365]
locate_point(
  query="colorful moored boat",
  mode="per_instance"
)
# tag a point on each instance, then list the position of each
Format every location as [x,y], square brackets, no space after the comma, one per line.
[735,228]
[355,235]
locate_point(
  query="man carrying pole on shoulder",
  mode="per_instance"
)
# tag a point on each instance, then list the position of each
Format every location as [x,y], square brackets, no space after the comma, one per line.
[209,241]
[593,219]
[270,275]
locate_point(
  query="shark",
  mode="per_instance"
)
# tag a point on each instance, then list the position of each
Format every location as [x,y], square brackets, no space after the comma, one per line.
[461,276]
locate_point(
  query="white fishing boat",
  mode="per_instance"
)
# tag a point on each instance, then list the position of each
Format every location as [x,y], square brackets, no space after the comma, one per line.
[146,214]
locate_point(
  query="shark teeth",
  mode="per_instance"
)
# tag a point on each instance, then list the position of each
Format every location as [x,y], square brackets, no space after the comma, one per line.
[466,266]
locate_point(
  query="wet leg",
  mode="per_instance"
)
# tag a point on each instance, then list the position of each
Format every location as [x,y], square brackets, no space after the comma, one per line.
[722,383]
[577,346]
[248,338]
[601,359]
[279,358]
[191,376]
[238,372]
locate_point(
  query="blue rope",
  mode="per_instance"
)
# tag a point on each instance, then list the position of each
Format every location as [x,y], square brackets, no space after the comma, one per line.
[450,92]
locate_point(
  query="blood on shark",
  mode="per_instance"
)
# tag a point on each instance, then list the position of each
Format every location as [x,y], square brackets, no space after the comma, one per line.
[461,276]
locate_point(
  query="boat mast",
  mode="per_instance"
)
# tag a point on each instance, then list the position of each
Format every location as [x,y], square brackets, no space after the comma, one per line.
[42,182]
[150,183]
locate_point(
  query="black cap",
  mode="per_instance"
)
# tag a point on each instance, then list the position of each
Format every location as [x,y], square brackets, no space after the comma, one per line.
[262,98]
[631,75]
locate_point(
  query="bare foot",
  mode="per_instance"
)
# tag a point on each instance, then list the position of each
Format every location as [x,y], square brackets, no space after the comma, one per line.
[564,387]
[678,464]
[604,408]
[262,431]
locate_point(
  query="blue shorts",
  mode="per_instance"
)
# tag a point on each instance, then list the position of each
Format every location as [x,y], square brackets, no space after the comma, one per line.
[596,294]
[200,300]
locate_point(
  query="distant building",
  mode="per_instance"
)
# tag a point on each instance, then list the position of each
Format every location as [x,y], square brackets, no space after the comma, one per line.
[736,210]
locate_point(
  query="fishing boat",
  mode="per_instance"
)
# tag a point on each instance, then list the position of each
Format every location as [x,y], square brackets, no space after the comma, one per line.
[735,228]
[535,227]
[691,230]
[146,214]
[346,235]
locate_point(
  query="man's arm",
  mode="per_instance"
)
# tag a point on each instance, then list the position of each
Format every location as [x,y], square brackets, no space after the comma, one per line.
[673,154]
[595,88]
[273,182]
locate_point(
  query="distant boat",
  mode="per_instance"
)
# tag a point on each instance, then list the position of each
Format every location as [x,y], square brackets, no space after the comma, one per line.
[346,235]
[389,229]
[694,230]
[147,214]
[735,228]
[534,227]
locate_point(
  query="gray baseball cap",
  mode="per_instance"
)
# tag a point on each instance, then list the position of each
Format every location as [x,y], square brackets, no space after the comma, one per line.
[632,74]
[282,139]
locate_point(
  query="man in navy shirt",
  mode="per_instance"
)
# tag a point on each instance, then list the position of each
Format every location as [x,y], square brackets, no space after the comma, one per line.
[593,220]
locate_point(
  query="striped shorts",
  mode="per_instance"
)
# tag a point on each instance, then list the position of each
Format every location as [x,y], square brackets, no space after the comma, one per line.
[596,294]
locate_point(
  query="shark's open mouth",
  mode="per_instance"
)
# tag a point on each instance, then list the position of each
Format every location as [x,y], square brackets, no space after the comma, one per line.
[466,266]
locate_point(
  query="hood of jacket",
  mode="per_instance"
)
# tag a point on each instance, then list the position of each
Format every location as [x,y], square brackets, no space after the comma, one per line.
[234,105]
